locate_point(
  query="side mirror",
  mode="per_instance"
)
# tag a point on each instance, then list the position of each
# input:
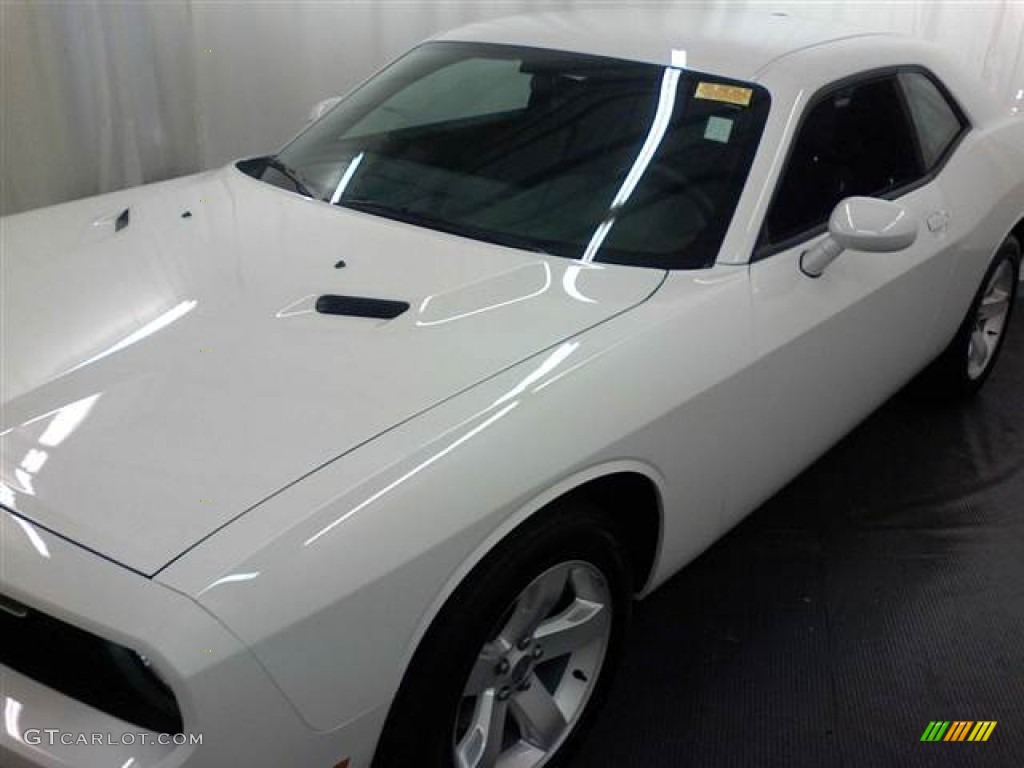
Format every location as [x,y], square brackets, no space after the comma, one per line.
[861,224]
[321,108]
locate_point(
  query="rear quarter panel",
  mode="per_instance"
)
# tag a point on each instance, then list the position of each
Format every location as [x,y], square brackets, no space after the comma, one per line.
[984,186]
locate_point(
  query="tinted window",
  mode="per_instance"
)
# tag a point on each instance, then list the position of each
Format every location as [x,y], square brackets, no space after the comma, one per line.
[937,122]
[467,88]
[578,156]
[856,140]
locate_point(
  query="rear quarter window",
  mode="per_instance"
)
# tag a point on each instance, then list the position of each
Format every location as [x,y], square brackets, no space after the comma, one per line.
[937,122]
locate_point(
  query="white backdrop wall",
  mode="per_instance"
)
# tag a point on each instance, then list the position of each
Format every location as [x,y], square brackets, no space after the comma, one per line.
[97,95]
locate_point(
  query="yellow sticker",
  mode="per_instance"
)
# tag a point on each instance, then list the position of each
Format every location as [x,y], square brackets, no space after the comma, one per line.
[730,94]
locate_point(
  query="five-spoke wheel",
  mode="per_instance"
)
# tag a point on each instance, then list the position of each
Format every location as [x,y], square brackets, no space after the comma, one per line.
[533,678]
[514,666]
[966,363]
[990,319]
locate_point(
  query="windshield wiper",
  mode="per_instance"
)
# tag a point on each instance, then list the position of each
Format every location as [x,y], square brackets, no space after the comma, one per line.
[301,186]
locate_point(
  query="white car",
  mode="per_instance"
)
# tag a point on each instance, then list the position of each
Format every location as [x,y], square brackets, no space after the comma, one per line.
[355,455]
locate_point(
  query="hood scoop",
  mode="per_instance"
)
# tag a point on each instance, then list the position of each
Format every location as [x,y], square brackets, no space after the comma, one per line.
[360,306]
[219,336]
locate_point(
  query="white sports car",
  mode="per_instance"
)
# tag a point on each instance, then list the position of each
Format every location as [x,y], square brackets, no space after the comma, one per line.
[356,454]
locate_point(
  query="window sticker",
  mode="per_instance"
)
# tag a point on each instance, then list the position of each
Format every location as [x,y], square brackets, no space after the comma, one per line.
[729,94]
[718,129]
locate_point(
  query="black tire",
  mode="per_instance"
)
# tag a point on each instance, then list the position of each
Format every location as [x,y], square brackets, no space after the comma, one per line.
[950,376]
[422,725]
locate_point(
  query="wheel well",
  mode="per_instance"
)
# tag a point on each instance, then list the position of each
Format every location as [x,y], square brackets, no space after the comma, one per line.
[633,503]
[1018,232]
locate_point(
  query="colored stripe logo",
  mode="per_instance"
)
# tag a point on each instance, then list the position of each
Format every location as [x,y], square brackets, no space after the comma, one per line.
[958,730]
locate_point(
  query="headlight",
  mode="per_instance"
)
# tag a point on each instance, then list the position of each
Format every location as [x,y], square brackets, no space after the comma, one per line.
[107,676]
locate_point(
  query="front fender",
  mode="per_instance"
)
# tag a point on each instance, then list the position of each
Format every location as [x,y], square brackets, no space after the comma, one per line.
[333,580]
[335,606]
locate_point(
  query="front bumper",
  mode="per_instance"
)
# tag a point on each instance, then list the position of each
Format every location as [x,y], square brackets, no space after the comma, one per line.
[232,711]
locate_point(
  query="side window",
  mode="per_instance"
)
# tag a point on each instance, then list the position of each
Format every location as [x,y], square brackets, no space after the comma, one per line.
[855,140]
[938,124]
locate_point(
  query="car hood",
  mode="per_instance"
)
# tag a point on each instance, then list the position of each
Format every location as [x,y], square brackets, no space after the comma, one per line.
[165,370]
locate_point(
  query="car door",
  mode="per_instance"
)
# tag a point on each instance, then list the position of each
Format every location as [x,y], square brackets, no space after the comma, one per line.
[831,349]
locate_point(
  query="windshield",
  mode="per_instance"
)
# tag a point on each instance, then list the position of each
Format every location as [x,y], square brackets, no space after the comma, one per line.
[578,156]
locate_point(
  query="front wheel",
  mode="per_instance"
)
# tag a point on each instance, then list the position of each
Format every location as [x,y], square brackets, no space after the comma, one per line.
[965,365]
[515,665]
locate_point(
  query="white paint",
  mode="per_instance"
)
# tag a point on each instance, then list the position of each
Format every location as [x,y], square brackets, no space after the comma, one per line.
[332,479]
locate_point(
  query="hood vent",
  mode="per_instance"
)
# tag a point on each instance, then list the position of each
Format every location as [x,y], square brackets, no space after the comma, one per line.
[360,306]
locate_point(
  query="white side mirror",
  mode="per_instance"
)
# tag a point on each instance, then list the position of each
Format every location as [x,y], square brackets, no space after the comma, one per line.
[321,108]
[861,224]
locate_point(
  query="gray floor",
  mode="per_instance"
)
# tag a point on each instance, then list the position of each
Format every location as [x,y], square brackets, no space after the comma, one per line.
[881,590]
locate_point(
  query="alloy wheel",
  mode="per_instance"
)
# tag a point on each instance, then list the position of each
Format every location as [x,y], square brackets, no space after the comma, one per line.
[990,320]
[533,678]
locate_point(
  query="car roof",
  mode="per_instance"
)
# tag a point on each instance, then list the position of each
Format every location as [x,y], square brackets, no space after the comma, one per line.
[725,42]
